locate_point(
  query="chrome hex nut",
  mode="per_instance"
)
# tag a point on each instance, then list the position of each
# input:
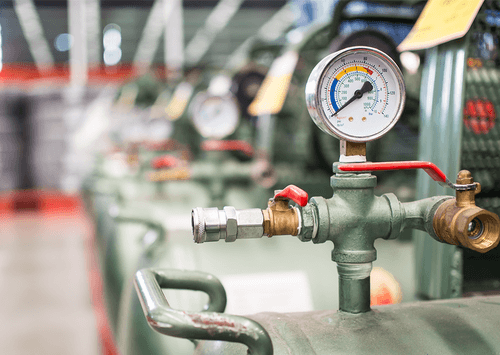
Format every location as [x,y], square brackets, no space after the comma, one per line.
[231,223]
[250,223]
[308,227]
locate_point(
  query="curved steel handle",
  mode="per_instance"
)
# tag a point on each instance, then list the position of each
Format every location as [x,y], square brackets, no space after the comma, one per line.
[119,216]
[207,325]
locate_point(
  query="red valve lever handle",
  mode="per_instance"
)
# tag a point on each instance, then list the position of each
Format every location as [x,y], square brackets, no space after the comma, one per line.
[233,145]
[166,145]
[295,194]
[165,161]
[430,168]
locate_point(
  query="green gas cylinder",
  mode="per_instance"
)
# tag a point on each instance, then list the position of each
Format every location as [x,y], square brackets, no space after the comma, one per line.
[340,99]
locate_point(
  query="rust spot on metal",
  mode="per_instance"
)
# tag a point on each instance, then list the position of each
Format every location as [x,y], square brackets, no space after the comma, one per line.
[214,324]
[220,321]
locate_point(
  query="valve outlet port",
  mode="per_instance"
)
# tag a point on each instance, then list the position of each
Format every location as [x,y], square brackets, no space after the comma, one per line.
[471,226]
[475,229]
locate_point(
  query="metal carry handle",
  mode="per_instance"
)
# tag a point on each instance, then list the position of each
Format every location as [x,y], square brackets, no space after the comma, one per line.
[119,216]
[206,325]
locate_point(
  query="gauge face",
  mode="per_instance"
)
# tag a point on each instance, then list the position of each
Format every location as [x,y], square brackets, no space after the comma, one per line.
[356,94]
[215,116]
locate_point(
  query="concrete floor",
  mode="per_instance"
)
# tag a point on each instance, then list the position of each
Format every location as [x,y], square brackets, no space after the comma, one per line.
[45,305]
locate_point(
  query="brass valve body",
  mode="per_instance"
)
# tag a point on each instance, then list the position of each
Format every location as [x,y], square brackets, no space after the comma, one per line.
[133,154]
[280,219]
[460,222]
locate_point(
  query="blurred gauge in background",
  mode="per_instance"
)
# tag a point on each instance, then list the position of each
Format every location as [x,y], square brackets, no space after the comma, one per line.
[215,117]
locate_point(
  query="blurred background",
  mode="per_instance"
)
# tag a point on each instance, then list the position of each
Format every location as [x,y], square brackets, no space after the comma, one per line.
[119,117]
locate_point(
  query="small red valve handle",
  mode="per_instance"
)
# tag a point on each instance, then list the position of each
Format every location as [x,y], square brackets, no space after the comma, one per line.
[295,194]
[165,161]
[228,145]
[430,168]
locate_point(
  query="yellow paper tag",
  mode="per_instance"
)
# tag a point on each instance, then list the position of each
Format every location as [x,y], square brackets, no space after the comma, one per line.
[126,100]
[158,108]
[179,101]
[441,21]
[272,93]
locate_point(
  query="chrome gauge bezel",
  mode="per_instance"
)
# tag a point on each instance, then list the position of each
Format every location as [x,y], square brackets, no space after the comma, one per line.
[317,77]
[197,105]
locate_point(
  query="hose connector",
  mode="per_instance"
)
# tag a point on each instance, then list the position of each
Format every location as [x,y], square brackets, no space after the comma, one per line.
[212,224]
[460,222]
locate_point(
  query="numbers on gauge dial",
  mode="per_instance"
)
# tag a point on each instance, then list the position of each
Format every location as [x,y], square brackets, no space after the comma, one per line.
[360,94]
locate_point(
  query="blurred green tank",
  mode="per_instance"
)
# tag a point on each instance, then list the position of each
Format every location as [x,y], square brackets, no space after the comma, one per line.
[460,99]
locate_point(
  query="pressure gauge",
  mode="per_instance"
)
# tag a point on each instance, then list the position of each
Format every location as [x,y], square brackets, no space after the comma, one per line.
[356,94]
[215,116]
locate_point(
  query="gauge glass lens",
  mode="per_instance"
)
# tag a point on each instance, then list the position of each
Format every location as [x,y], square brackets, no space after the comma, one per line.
[216,116]
[160,129]
[360,94]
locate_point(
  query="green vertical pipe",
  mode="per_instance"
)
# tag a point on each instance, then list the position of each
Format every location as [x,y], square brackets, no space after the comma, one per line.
[354,287]
[439,265]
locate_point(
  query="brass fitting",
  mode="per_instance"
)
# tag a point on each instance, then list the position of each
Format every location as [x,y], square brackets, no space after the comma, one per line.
[133,154]
[460,222]
[169,174]
[280,219]
[352,148]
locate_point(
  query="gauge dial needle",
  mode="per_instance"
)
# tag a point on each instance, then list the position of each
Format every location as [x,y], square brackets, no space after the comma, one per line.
[367,87]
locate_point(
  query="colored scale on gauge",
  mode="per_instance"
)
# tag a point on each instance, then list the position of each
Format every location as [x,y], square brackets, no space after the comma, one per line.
[333,88]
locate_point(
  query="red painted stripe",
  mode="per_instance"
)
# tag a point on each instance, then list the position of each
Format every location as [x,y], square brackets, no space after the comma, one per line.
[108,343]
[106,338]
[368,70]
[43,201]
[23,73]
[228,145]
